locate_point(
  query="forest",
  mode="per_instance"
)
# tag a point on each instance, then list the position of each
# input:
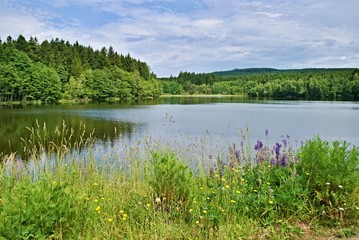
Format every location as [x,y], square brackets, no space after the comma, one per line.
[316,84]
[57,70]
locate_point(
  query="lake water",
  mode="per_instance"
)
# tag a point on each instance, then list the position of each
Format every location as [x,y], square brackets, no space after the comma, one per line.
[187,120]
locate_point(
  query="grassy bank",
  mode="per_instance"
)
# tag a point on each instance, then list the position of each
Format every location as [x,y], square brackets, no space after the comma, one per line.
[309,193]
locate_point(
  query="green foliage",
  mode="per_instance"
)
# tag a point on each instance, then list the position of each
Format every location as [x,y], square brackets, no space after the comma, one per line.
[35,210]
[341,84]
[56,69]
[170,179]
[331,173]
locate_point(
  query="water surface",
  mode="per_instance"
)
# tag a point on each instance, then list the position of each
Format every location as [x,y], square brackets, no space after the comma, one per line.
[184,119]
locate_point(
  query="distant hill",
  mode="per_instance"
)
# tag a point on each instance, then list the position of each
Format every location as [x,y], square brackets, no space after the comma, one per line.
[255,71]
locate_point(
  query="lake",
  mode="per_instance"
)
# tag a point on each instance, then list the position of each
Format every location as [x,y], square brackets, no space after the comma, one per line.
[182,121]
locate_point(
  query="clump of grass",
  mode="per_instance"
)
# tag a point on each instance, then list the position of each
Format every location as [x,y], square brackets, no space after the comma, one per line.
[157,195]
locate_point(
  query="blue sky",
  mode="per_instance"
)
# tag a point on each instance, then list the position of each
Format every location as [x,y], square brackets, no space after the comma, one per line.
[198,35]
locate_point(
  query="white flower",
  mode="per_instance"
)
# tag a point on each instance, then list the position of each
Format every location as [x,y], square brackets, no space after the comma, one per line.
[341,209]
[340,186]
[357,208]
[158,200]
[327,183]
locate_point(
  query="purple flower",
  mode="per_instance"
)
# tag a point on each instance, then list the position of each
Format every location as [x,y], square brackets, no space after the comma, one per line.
[285,142]
[277,149]
[258,146]
[266,132]
[236,153]
[284,161]
[272,161]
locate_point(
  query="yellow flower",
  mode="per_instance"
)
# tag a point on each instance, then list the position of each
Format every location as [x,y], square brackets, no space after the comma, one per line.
[197,222]
[227,186]
[148,205]
[124,215]
[96,200]
[95,184]
[98,208]
[270,202]
[121,211]
[255,190]
[238,192]
[242,179]
[191,210]
[232,201]
[201,188]
[223,179]
[123,219]
[164,198]
[110,219]
[216,175]
[87,199]
[102,198]
[204,211]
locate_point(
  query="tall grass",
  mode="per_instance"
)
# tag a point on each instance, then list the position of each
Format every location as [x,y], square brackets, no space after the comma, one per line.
[268,193]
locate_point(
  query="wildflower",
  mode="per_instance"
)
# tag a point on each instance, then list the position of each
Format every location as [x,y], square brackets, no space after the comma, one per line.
[340,186]
[95,184]
[258,146]
[124,215]
[98,208]
[227,186]
[158,200]
[121,211]
[216,175]
[284,161]
[204,211]
[148,205]
[87,199]
[223,179]
[285,142]
[96,200]
[341,209]
[201,188]
[123,219]
[307,173]
[197,222]
[266,132]
[194,201]
[233,201]
[277,149]
[272,161]
[102,198]
[110,219]
[255,190]
[357,208]
[238,192]
[242,179]
[191,210]
[327,183]
[270,202]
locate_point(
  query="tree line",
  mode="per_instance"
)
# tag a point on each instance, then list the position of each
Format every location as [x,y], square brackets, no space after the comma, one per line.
[53,70]
[321,84]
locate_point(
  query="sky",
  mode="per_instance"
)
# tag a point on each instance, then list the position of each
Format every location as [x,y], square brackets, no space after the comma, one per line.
[198,35]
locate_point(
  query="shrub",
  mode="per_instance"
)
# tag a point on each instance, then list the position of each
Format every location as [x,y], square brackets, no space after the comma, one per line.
[331,174]
[170,179]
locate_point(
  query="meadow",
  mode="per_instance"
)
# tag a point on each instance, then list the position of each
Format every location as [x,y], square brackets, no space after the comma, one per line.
[252,192]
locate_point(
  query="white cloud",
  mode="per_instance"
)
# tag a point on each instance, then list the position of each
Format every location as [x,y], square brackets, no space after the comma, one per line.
[203,35]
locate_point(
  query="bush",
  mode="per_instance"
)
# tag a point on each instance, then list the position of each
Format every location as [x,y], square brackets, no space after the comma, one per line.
[331,174]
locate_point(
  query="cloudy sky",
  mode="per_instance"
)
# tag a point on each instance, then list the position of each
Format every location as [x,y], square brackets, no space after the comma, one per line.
[198,35]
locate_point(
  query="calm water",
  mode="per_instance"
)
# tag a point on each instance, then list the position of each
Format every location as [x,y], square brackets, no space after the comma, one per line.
[184,120]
